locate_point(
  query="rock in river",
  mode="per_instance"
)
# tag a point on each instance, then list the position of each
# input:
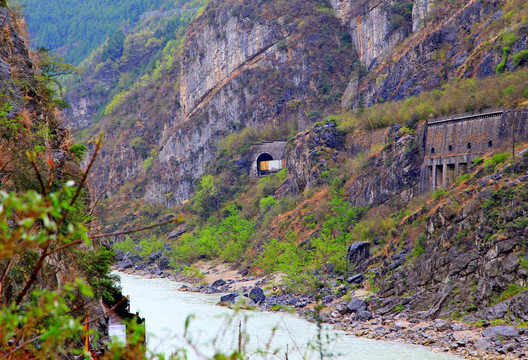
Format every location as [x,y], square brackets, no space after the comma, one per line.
[257,295]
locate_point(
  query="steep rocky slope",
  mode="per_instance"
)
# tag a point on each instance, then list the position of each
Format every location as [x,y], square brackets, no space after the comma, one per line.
[271,64]
[449,40]
[258,65]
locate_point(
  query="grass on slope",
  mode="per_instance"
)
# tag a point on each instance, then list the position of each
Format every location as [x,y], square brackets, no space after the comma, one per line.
[472,95]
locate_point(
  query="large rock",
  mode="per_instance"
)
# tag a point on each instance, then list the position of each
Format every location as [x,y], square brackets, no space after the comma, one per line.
[163,263]
[230,298]
[504,332]
[357,305]
[363,315]
[219,282]
[356,279]
[178,232]
[155,256]
[358,252]
[257,295]
[126,264]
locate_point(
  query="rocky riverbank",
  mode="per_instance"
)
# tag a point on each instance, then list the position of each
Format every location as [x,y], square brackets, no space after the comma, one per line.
[352,312]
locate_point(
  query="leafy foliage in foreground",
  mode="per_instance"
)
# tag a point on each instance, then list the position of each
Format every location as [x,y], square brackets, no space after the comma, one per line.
[44,318]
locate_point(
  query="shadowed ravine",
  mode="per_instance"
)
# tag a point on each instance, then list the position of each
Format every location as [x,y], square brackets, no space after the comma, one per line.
[166,309]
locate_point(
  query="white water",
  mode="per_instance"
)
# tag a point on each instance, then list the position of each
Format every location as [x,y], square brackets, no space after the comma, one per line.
[167,309]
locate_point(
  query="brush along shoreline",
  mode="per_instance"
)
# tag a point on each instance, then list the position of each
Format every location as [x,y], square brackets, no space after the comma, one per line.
[350,313]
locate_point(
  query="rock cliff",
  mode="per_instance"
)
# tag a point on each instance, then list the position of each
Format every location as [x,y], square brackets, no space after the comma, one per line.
[242,65]
[449,42]
[376,26]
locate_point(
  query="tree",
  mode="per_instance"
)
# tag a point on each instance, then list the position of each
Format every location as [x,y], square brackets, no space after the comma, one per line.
[113,50]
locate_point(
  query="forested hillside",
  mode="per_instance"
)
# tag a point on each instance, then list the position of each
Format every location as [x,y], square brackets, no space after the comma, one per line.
[75,28]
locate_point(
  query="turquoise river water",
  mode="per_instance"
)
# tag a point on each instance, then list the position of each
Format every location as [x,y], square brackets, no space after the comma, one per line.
[213,327]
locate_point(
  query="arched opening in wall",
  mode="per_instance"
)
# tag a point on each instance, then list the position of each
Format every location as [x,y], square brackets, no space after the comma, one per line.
[469,146]
[432,150]
[450,147]
[490,143]
[263,163]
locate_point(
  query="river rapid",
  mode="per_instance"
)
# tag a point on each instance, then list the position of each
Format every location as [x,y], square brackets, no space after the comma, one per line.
[217,328]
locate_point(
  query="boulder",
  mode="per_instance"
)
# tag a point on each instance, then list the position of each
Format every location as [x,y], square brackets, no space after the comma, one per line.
[163,263]
[178,232]
[219,282]
[257,294]
[356,305]
[243,272]
[230,298]
[502,331]
[141,266]
[120,255]
[358,252]
[342,308]
[363,315]
[126,264]
[356,279]
[155,256]
[327,299]
[441,325]
[245,302]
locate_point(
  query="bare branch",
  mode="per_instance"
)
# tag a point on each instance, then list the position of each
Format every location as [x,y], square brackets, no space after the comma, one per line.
[32,159]
[6,272]
[34,274]
[65,246]
[98,145]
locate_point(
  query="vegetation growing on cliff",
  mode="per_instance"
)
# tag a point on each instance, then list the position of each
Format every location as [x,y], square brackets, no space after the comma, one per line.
[472,95]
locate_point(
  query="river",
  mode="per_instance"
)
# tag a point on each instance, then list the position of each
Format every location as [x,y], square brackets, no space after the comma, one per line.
[166,310]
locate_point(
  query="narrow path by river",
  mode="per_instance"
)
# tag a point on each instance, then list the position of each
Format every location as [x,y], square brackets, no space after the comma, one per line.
[166,310]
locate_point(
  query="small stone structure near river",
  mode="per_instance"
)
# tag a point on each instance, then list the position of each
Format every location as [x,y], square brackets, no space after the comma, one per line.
[452,143]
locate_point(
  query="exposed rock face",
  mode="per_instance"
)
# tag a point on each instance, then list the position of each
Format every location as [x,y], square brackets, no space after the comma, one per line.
[358,252]
[416,66]
[303,159]
[468,262]
[15,63]
[419,12]
[373,34]
[373,31]
[395,172]
[241,66]
[209,65]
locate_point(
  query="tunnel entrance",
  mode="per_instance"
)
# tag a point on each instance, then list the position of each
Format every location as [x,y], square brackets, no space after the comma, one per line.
[263,163]
[266,164]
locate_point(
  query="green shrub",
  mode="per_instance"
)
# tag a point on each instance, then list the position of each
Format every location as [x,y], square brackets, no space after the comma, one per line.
[419,247]
[127,245]
[266,203]
[521,58]
[439,193]
[78,150]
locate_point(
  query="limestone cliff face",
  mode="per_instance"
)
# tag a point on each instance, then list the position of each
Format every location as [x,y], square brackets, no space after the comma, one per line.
[224,46]
[374,29]
[392,174]
[373,36]
[455,43]
[242,65]
[236,72]
[419,12]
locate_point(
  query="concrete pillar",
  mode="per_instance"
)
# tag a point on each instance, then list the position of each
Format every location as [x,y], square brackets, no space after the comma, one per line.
[445,173]
[433,177]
